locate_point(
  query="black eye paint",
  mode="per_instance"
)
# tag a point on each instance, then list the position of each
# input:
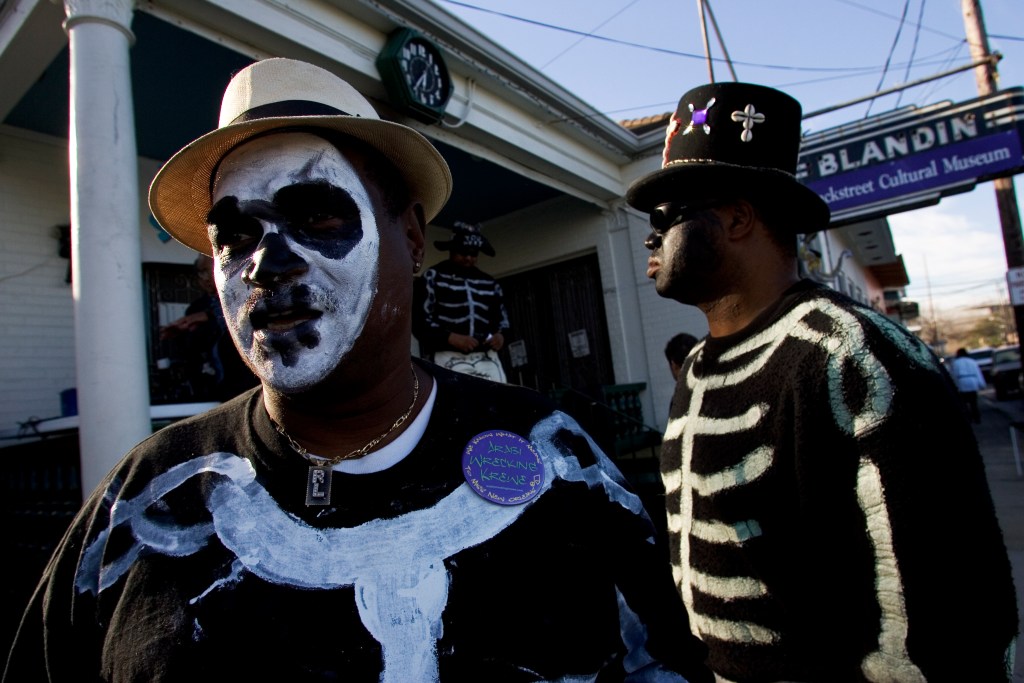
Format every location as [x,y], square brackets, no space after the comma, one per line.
[320,217]
[230,229]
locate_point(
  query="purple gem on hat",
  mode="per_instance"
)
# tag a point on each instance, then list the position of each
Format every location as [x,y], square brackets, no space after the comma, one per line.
[699,117]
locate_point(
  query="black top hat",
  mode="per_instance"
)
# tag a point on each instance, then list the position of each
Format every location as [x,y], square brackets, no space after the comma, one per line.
[733,140]
[466,236]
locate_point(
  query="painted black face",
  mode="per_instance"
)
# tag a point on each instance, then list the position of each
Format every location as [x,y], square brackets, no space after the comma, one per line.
[691,257]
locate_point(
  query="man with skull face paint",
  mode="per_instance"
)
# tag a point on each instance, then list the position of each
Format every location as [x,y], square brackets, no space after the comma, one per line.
[361,515]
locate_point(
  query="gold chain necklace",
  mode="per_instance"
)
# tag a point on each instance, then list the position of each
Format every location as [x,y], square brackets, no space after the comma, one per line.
[318,482]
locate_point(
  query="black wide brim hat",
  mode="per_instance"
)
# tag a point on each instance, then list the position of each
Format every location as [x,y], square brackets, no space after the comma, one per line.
[734,140]
[466,236]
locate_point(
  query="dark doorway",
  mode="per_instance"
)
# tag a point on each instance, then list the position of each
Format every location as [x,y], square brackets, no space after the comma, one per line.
[557,319]
[559,333]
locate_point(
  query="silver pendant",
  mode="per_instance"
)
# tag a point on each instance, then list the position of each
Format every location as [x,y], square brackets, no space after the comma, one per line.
[318,486]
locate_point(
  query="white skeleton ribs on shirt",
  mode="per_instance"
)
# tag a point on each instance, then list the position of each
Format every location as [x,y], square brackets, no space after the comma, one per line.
[840,337]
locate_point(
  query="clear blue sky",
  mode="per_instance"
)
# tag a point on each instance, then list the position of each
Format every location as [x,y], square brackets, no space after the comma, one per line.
[634,58]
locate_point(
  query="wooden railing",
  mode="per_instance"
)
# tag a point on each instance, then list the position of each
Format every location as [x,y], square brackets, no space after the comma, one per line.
[615,418]
[42,493]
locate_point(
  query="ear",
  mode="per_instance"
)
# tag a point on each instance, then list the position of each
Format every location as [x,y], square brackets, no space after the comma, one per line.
[739,218]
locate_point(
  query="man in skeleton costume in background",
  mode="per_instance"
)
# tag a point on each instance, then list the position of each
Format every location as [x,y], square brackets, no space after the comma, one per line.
[360,516]
[828,511]
[459,315]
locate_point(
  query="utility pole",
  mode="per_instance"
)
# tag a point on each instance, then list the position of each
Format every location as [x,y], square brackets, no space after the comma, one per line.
[938,345]
[704,38]
[703,12]
[1006,199]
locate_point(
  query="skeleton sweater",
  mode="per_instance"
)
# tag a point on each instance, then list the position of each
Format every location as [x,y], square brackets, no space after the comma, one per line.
[450,298]
[828,510]
[197,560]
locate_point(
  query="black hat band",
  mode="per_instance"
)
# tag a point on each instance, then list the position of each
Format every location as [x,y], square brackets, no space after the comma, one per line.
[288,108]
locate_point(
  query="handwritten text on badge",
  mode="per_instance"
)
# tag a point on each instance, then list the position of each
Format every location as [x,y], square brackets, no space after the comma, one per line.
[502,467]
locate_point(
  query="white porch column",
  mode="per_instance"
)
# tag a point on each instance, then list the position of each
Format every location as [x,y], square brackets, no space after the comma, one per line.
[110,353]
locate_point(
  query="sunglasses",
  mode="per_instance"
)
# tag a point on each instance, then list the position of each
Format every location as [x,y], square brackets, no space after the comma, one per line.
[666,216]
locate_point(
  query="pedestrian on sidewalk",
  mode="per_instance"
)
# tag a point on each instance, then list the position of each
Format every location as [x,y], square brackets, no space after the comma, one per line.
[969,381]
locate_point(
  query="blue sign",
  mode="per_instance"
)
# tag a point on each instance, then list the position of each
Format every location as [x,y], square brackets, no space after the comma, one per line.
[897,162]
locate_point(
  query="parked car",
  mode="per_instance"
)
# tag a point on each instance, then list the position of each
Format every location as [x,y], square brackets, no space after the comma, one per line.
[983,356]
[1005,372]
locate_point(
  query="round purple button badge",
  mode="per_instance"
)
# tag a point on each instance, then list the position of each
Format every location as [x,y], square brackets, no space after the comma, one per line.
[502,467]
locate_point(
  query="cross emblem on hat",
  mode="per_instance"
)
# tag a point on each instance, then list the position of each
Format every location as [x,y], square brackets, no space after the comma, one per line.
[749,116]
[699,117]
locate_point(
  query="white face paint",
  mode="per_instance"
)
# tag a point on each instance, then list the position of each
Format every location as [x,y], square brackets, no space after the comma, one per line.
[296,246]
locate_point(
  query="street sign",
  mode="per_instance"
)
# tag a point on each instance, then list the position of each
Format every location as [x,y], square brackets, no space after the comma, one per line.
[911,158]
[1015,283]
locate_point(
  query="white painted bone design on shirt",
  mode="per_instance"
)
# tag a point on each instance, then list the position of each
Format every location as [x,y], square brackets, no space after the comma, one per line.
[401,586]
[839,350]
[844,347]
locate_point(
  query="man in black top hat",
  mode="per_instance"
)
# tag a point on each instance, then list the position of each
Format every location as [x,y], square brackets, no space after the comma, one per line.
[829,514]
[459,315]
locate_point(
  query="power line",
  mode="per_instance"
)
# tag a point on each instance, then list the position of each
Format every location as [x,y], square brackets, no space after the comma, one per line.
[944,57]
[898,88]
[937,58]
[963,286]
[661,50]
[913,49]
[589,35]
[888,59]
[872,10]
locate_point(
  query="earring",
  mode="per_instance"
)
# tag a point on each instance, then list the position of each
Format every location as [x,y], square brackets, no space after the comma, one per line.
[416,267]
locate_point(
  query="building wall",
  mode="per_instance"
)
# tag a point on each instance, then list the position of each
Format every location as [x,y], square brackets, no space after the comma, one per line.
[37,355]
[156,245]
[852,278]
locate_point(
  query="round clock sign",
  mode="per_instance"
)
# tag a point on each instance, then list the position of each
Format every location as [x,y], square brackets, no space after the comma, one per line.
[415,75]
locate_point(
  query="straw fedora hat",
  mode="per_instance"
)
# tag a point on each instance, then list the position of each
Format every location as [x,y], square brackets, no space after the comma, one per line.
[281,93]
[733,140]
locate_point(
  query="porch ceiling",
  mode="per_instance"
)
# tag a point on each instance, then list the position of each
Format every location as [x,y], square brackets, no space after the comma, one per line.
[177,82]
